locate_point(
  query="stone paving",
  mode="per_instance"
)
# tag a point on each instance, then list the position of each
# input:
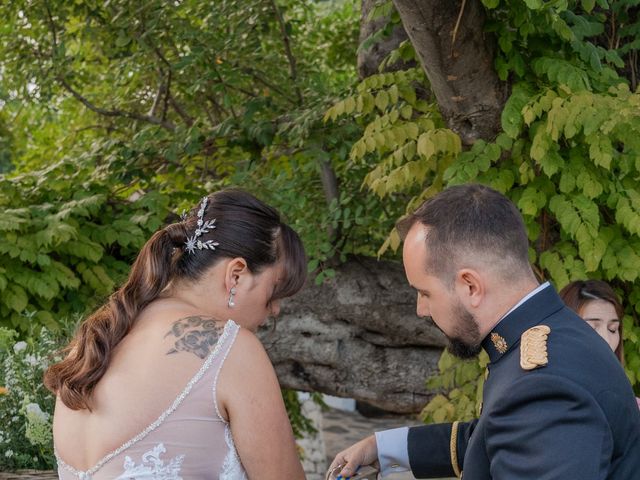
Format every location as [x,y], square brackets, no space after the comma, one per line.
[339,429]
[342,429]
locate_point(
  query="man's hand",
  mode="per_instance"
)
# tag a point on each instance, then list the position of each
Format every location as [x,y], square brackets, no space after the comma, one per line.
[344,466]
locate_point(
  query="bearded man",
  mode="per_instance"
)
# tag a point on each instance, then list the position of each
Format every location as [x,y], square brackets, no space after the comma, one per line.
[556,402]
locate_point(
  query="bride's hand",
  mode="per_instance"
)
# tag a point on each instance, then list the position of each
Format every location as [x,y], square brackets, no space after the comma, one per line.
[345,464]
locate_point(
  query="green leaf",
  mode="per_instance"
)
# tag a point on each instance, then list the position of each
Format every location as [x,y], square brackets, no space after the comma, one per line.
[45,318]
[15,298]
[511,117]
[10,222]
[358,150]
[85,249]
[530,201]
[425,146]
[567,181]
[349,105]
[504,141]
[393,93]
[123,39]
[382,100]
[408,93]
[406,112]
[411,129]
[601,151]
[588,5]
[505,44]
[534,4]
[63,275]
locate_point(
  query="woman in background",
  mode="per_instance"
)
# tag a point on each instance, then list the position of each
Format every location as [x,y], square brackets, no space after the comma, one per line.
[167,380]
[597,303]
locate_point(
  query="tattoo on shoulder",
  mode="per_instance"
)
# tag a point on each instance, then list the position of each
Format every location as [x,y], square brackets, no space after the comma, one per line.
[195,334]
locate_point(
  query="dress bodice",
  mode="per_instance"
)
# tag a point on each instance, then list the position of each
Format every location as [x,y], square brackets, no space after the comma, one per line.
[190,439]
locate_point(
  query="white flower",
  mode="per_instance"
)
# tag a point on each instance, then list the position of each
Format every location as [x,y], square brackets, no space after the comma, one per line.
[19,346]
[38,427]
[34,410]
[31,360]
[8,453]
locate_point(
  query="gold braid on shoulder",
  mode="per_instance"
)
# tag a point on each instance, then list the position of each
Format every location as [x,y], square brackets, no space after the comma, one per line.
[533,347]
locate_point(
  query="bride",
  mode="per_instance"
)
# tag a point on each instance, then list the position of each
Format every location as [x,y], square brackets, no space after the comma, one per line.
[167,380]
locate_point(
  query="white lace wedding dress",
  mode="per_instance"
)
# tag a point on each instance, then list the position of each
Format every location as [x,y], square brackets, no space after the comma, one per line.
[190,440]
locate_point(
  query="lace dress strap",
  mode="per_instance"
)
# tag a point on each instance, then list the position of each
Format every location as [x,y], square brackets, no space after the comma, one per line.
[224,352]
[232,468]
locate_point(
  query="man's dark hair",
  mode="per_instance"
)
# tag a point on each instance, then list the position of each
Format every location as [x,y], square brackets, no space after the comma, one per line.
[471,221]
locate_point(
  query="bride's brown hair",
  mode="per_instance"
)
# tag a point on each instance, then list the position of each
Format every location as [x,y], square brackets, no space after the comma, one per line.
[245,227]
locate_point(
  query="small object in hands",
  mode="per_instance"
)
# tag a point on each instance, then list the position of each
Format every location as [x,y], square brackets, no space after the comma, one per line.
[332,473]
[366,472]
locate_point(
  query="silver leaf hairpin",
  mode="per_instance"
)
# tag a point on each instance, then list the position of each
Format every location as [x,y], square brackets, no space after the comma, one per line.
[192,244]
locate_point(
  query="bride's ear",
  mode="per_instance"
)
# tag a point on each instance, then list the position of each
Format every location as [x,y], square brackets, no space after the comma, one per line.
[236,268]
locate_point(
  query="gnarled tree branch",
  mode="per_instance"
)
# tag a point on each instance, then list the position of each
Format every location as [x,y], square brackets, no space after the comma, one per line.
[162,88]
[179,110]
[293,71]
[101,111]
[115,113]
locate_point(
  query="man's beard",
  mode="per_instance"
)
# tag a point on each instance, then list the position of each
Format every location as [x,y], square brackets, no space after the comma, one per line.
[467,342]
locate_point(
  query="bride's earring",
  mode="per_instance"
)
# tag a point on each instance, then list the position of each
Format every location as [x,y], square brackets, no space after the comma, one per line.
[231,301]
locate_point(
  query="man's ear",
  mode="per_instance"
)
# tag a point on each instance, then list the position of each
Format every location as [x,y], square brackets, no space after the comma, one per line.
[469,285]
[236,268]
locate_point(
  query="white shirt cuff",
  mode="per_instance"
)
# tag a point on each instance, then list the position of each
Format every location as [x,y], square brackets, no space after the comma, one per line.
[393,453]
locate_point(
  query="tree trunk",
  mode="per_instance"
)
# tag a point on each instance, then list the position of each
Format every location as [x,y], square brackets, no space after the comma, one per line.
[357,336]
[369,59]
[457,56]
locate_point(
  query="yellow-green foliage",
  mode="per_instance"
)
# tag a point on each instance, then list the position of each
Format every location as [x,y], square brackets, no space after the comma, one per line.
[462,384]
[407,132]
[406,142]
[568,154]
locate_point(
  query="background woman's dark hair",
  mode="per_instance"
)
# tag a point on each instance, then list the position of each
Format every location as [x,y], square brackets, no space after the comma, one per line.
[578,293]
[245,227]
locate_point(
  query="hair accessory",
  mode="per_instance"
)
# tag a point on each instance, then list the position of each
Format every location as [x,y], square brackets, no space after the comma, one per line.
[590,295]
[193,243]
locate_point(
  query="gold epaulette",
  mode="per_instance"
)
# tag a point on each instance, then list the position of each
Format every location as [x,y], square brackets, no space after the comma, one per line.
[533,347]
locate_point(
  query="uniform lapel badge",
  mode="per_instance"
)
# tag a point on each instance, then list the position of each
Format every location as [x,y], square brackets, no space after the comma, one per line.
[499,342]
[533,347]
